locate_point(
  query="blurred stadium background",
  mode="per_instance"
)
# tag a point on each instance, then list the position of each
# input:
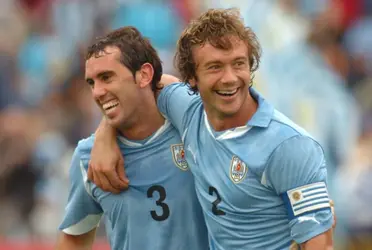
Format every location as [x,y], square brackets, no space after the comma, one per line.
[316,68]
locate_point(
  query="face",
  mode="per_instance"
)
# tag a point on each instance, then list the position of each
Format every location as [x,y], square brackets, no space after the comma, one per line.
[223,78]
[113,87]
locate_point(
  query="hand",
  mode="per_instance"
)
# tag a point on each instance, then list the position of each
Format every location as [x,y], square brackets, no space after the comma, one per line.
[106,167]
[334,214]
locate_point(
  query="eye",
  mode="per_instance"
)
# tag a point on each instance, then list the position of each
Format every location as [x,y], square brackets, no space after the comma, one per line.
[90,82]
[214,67]
[105,78]
[240,63]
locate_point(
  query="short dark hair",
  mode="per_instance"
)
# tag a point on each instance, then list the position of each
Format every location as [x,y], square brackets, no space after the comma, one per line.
[214,26]
[135,49]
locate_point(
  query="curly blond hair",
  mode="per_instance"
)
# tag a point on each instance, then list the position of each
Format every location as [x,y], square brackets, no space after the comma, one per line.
[216,26]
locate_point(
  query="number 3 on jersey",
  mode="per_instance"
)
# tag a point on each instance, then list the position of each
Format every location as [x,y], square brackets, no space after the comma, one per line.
[162,195]
[215,210]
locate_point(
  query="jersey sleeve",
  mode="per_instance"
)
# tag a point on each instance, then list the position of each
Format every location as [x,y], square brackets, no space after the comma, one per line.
[173,102]
[82,213]
[297,172]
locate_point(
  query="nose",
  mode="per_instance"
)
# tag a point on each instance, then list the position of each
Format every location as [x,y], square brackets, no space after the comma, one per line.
[98,91]
[229,75]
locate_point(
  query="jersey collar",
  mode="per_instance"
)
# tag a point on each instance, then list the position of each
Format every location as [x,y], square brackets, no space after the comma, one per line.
[139,143]
[261,118]
[264,112]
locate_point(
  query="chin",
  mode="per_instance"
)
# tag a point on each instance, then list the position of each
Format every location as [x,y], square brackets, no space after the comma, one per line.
[229,110]
[114,122]
[228,113]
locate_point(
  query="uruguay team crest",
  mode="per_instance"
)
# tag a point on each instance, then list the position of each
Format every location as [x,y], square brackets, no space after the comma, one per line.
[238,169]
[179,158]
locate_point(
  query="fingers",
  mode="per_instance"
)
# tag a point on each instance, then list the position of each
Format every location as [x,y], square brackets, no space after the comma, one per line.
[294,246]
[115,181]
[96,179]
[334,214]
[105,183]
[90,173]
[331,203]
[102,179]
[112,178]
[121,171]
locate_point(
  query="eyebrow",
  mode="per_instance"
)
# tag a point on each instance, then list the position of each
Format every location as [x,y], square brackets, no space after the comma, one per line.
[106,72]
[240,58]
[100,75]
[206,65]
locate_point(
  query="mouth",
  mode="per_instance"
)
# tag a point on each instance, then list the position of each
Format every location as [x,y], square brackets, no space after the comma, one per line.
[108,106]
[227,93]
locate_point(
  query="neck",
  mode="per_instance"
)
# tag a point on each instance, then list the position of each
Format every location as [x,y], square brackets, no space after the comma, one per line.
[222,122]
[147,121]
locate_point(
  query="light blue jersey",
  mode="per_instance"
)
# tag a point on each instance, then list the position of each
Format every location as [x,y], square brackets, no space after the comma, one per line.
[262,185]
[160,209]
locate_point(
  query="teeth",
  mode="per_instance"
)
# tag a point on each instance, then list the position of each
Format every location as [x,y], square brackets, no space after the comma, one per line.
[110,104]
[227,92]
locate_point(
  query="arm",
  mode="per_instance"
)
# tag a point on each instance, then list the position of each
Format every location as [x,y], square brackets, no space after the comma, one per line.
[323,241]
[83,213]
[164,82]
[76,242]
[174,103]
[326,238]
[297,172]
[106,167]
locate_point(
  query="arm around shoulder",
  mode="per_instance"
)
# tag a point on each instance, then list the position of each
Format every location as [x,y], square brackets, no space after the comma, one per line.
[174,102]
[106,167]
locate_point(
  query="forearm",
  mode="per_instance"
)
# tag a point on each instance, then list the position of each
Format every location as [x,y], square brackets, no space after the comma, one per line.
[76,242]
[321,242]
[104,130]
[165,81]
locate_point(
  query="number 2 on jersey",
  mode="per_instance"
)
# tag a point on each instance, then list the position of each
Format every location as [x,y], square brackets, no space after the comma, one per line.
[215,210]
[159,202]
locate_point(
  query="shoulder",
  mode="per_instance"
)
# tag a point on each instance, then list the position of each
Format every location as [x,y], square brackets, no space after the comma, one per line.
[84,146]
[86,143]
[281,134]
[297,161]
[179,93]
[292,137]
[299,147]
[284,142]
[194,111]
[286,126]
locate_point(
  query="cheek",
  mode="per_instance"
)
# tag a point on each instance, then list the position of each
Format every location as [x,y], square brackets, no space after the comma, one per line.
[208,81]
[97,102]
[128,97]
[244,75]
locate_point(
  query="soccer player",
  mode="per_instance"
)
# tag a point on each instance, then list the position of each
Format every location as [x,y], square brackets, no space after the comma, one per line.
[260,178]
[122,70]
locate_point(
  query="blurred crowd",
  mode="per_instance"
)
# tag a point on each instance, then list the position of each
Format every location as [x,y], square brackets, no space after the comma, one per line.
[316,68]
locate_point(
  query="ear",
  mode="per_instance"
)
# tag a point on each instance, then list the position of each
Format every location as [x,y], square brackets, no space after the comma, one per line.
[144,75]
[192,82]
